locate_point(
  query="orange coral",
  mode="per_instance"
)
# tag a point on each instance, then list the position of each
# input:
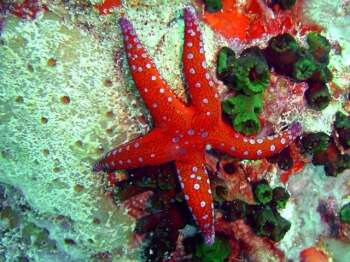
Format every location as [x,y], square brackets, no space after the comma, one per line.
[254,19]
[222,21]
[106,7]
[312,254]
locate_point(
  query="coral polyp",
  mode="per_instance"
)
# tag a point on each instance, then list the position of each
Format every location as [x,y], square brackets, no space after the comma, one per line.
[319,46]
[251,73]
[281,53]
[318,96]
[244,111]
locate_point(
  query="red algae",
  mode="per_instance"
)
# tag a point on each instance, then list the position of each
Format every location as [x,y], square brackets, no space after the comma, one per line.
[106,7]
[254,20]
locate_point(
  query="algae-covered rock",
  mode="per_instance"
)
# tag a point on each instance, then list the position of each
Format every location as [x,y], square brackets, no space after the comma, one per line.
[65,99]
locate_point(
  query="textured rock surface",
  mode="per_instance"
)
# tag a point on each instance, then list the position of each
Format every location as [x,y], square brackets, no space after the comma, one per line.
[67,97]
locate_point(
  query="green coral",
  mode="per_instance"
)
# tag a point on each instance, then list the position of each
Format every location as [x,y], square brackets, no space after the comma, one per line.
[342,125]
[225,64]
[319,46]
[314,142]
[280,197]
[335,168]
[317,95]
[244,110]
[263,217]
[217,252]
[286,4]
[248,74]
[344,214]
[285,160]
[322,74]
[341,120]
[251,73]
[269,223]
[304,68]
[283,43]
[262,192]
[281,53]
[243,104]
[235,209]
[246,123]
[213,6]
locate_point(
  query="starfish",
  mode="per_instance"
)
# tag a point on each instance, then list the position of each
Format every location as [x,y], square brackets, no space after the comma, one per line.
[183,132]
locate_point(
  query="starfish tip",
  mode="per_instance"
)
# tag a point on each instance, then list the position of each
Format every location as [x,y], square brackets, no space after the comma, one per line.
[188,13]
[124,23]
[97,167]
[209,239]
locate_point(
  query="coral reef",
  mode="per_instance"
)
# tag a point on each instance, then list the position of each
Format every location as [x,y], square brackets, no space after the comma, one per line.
[201,127]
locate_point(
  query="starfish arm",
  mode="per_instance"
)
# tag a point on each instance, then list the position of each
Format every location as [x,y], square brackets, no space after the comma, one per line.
[195,185]
[239,146]
[157,95]
[200,83]
[155,148]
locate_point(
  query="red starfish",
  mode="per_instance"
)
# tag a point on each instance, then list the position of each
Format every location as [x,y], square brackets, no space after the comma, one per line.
[183,132]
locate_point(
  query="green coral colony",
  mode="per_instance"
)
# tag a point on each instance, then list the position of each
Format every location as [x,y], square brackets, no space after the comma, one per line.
[248,75]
